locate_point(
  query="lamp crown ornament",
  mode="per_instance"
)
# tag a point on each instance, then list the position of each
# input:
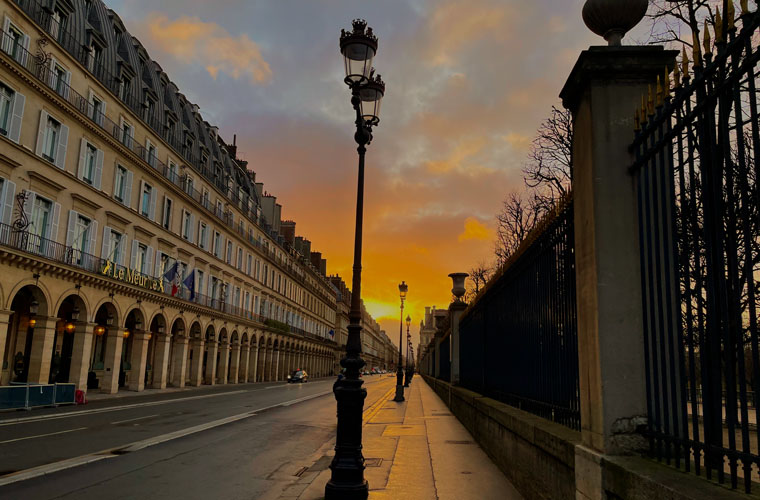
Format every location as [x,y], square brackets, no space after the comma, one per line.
[612,19]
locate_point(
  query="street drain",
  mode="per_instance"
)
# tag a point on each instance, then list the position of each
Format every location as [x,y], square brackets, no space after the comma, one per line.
[460,442]
[373,462]
[300,471]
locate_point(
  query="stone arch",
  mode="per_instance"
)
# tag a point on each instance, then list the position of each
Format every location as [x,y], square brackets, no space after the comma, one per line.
[210,335]
[234,338]
[244,339]
[195,329]
[83,302]
[37,290]
[112,306]
[223,337]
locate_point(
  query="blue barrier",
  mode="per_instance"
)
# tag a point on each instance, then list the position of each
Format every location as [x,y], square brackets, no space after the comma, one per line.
[18,396]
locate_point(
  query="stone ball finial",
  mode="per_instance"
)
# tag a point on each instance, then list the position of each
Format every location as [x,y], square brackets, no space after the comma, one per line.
[612,19]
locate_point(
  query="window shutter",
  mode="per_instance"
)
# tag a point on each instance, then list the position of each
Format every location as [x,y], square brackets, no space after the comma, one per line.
[149,261]
[93,237]
[51,73]
[67,80]
[133,258]
[140,197]
[192,224]
[72,226]
[9,195]
[54,226]
[63,139]
[98,177]
[159,255]
[7,34]
[82,158]
[103,111]
[14,133]
[24,53]
[153,204]
[41,132]
[208,234]
[105,251]
[128,189]
[122,249]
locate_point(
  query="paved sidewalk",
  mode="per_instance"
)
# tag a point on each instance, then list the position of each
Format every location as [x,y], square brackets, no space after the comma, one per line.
[416,450]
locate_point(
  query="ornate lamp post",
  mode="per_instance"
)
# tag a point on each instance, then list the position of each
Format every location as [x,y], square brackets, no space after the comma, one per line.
[402,288]
[358,48]
[407,377]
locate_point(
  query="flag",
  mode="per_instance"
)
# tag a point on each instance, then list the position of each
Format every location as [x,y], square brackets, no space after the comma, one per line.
[190,284]
[171,274]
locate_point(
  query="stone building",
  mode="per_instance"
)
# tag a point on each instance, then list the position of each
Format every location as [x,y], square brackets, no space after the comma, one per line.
[136,250]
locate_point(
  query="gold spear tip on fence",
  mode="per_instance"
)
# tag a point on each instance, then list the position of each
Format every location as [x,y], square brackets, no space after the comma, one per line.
[660,94]
[650,101]
[697,52]
[718,27]
[636,121]
[677,76]
[666,82]
[685,64]
[731,14]
[707,38]
[744,6]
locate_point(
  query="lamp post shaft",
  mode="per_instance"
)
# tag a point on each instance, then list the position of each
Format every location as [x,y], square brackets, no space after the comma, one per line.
[347,480]
[399,369]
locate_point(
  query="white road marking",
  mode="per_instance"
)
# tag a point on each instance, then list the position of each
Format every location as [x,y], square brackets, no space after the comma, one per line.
[133,419]
[139,445]
[42,435]
[55,416]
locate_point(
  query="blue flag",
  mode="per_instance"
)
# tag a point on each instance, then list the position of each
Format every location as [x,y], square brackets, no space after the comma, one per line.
[171,274]
[190,284]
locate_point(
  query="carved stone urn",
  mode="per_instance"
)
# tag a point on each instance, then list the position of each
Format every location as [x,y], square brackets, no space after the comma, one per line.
[612,19]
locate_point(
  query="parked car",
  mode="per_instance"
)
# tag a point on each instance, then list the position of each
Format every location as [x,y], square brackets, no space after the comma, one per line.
[298,376]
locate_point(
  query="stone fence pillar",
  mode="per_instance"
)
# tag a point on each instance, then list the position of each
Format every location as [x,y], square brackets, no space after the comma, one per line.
[603,92]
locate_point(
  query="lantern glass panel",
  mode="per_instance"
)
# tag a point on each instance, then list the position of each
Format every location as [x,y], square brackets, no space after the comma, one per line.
[358,57]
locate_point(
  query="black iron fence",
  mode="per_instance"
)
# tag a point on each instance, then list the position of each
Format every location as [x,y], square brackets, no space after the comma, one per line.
[697,174]
[519,338]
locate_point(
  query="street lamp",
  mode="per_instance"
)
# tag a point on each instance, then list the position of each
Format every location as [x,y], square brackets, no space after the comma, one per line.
[408,343]
[358,48]
[402,288]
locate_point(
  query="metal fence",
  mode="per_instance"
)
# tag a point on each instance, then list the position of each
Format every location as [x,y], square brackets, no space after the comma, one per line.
[519,338]
[26,396]
[697,174]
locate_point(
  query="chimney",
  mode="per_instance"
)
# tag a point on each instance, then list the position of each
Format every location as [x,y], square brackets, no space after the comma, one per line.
[316,259]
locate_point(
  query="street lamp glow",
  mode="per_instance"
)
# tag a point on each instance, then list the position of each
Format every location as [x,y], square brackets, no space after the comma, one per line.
[358,47]
[403,288]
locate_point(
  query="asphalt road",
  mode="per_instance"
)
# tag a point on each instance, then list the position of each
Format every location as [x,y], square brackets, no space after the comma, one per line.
[229,442]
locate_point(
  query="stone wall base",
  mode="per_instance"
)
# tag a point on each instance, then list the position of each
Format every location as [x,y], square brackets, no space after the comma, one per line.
[544,460]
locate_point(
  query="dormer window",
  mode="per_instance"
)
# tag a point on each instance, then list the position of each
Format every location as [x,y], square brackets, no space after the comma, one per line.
[125,88]
[58,24]
[149,109]
[96,58]
[171,127]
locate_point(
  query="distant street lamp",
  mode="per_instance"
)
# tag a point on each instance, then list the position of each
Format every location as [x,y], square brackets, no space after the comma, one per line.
[402,288]
[358,48]
[408,344]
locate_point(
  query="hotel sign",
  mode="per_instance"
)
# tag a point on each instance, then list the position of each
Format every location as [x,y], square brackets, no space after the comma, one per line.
[132,277]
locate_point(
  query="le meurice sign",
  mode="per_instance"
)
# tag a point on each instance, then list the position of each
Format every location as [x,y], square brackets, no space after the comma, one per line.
[132,277]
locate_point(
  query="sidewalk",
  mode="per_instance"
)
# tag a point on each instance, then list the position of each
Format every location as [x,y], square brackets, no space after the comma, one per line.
[415,450]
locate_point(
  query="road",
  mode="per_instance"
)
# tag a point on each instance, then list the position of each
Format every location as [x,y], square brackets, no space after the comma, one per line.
[244,441]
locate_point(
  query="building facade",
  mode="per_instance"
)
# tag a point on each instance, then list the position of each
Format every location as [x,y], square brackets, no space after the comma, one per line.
[136,249]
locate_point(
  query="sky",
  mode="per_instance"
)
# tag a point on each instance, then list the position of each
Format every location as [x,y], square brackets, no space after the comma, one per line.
[468,83]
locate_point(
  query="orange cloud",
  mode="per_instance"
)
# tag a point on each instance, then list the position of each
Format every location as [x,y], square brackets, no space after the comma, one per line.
[475,230]
[193,41]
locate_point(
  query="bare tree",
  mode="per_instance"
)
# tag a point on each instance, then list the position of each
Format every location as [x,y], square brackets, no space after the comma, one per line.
[479,276]
[549,170]
[519,215]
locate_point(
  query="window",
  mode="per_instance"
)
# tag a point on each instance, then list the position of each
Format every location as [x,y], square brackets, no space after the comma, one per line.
[151,155]
[41,218]
[172,172]
[166,219]
[50,145]
[11,112]
[59,78]
[249,264]
[258,269]
[140,258]
[206,202]
[127,133]
[187,225]
[229,252]
[97,109]
[120,183]
[240,259]
[171,127]
[203,235]
[149,107]
[199,277]
[217,244]
[96,58]
[115,247]
[15,42]
[146,198]
[189,185]
[125,89]
[90,159]
[219,208]
[80,237]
